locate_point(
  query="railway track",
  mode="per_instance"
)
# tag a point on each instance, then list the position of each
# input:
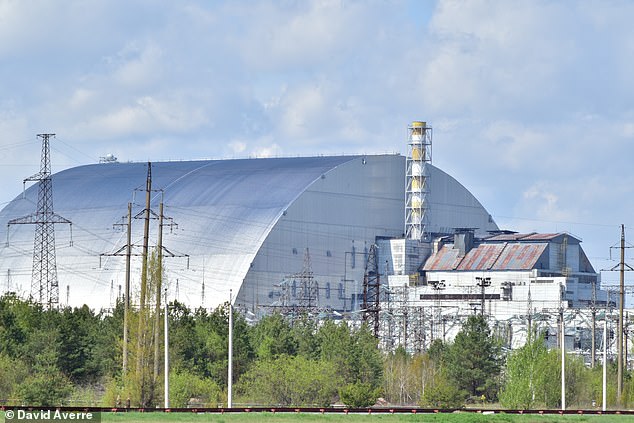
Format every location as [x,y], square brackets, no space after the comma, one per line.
[321,410]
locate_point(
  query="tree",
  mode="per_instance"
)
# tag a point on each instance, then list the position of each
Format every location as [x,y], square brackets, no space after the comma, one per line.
[437,388]
[473,360]
[212,348]
[367,359]
[46,385]
[290,381]
[77,343]
[443,393]
[12,372]
[304,333]
[107,336]
[359,394]
[185,386]
[355,353]
[272,336]
[533,378]
[406,376]
[423,371]
[45,388]
[183,341]
[13,333]
[335,344]
[524,375]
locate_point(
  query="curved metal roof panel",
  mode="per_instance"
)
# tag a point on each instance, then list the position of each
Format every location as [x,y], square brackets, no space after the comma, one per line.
[225,209]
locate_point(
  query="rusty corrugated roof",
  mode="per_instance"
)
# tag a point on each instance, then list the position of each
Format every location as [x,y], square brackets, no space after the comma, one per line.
[445,259]
[519,256]
[497,256]
[481,258]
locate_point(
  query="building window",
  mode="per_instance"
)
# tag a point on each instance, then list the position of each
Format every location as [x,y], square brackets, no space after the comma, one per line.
[327,289]
[341,291]
[295,251]
[328,253]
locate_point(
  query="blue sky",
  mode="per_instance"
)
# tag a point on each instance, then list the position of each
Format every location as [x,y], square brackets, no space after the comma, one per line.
[532,102]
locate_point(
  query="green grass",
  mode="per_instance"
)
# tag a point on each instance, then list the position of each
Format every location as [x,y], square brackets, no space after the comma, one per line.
[134,417]
[355,418]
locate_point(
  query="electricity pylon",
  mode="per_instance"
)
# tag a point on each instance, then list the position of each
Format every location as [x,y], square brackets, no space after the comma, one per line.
[44,284]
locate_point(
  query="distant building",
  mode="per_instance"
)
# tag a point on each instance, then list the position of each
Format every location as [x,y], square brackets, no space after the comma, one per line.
[518,278]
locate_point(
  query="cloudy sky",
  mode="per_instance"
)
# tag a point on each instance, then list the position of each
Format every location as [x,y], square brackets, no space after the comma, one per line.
[531,102]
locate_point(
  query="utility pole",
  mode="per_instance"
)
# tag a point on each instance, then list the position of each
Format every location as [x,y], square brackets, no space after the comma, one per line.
[621,301]
[622,267]
[157,313]
[230,366]
[529,314]
[141,334]
[625,336]
[161,251]
[44,283]
[146,214]
[202,294]
[605,357]
[593,310]
[126,302]
[405,314]
[127,252]
[563,359]
[483,283]
[166,360]
[437,286]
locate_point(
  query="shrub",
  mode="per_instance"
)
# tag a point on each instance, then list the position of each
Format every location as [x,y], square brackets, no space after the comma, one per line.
[359,395]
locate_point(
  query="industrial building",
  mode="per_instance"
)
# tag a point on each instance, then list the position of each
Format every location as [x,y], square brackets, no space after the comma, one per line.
[245,225]
[518,280]
[389,237]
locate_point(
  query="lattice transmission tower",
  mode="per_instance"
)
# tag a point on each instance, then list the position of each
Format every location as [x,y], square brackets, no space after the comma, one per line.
[372,292]
[309,288]
[44,284]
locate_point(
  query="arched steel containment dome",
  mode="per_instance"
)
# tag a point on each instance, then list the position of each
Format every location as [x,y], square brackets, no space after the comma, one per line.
[246,225]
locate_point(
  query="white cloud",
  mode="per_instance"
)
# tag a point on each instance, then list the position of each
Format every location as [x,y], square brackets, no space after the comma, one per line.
[272,150]
[531,101]
[145,116]
[138,66]
[238,147]
[307,34]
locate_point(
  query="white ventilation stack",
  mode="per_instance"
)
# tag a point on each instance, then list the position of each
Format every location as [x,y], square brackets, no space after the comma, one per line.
[417,185]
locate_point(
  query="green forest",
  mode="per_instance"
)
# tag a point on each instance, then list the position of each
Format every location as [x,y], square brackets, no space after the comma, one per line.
[73,357]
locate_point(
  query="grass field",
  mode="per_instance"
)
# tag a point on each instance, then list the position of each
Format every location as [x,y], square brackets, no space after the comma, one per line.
[357,418]
[134,417]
